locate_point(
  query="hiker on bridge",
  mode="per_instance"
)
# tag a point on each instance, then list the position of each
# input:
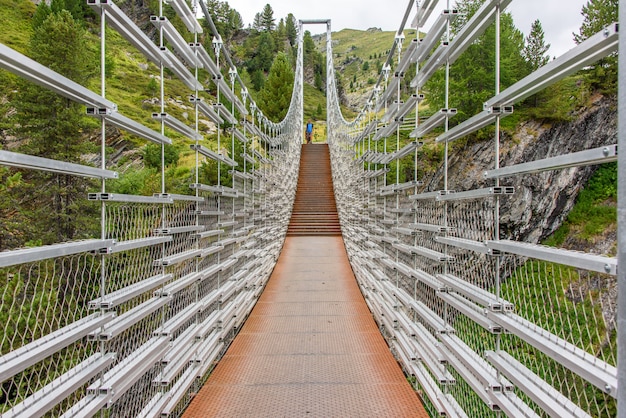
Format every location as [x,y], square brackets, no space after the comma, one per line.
[309,132]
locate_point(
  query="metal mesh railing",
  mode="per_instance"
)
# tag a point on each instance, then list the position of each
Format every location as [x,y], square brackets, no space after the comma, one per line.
[131,322]
[486,325]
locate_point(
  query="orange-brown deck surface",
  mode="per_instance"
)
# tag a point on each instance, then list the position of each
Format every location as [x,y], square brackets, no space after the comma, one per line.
[310,348]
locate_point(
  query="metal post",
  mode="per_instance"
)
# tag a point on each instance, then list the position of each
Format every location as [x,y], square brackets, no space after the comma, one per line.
[496,214]
[329,72]
[162,103]
[621,222]
[103,213]
[400,40]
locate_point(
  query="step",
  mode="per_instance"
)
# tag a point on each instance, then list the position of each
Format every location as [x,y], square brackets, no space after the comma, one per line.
[315,211]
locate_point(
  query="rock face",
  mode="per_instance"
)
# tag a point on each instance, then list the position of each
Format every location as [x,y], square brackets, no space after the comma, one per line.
[541,201]
[139,12]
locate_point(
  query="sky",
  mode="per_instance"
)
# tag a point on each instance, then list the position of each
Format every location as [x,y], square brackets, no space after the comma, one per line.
[559,18]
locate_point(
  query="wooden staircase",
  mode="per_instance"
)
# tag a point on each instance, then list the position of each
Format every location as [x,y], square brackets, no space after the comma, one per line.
[314,211]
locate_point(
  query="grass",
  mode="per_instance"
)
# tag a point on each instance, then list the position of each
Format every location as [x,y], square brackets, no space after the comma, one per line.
[365,46]
[313,98]
[16,16]
[595,209]
[548,295]
[566,301]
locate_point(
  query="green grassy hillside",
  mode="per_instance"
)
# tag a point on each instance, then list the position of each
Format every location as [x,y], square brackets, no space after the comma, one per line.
[16,17]
[359,56]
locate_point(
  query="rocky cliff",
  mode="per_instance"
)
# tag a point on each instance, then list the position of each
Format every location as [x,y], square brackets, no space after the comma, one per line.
[541,201]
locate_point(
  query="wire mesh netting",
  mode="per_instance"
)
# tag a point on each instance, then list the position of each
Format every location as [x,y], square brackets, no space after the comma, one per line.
[484,317]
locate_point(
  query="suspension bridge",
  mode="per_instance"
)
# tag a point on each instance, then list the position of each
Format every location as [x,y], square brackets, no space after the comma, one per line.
[313,285]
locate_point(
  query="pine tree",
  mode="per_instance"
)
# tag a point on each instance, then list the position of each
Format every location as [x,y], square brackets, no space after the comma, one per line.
[319,81]
[41,13]
[290,28]
[246,79]
[280,35]
[275,96]
[235,20]
[257,80]
[56,6]
[472,76]
[52,125]
[536,48]
[227,21]
[265,52]
[598,14]
[534,53]
[257,24]
[310,53]
[268,23]
[466,9]
[12,220]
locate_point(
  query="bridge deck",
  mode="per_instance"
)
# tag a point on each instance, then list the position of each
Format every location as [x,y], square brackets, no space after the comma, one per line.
[310,348]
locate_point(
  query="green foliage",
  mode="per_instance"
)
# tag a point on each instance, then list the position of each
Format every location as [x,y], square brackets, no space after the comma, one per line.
[257,79]
[547,297]
[140,182]
[598,14]
[265,53]
[430,156]
[257,24]
[147,181]
[12,220]
[17,16]
[53,126]
[280,37]
[308,46]
[291,29]
[212,172]
[57,6]
[319,81]
[313,101]
[268,23]
[60,43]
[536,48]
[366,66]
[275,96]
[152,155]
[178,179]
[472,77]
[595,209]
[153,87]
[557,102]
[41,14]
[319,111]
[227,21]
